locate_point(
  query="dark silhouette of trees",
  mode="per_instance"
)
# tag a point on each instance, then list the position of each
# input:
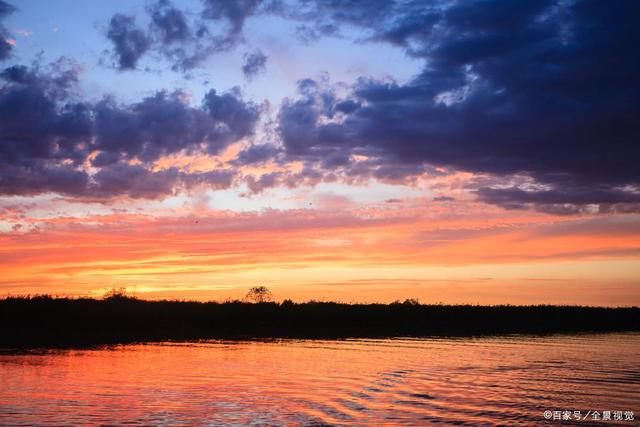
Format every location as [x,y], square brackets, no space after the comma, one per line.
[43,320]
[259,294]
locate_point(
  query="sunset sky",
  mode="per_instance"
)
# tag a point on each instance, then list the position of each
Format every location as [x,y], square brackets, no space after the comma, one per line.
[452,151]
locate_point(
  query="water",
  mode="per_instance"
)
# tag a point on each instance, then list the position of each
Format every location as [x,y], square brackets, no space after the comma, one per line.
[464,381]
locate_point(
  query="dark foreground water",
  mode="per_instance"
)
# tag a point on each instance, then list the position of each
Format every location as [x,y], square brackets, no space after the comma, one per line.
[462,381]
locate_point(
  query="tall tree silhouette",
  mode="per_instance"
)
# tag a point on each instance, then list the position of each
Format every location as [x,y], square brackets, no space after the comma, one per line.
[259,294]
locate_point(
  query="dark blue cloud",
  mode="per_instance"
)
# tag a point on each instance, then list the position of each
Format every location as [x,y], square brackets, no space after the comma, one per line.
[139,182]
[235,118]
[5,47]
[185,41]
[254,64]
[6,9]
[129,41]
[182,41]
[234,13]
[48,136]
[158,125]
[325,18]
[38,121]
[540,89]
[164,124]
[545,90]
[564,200]
[257,154]
[169,22]
[188,41]
[44,133]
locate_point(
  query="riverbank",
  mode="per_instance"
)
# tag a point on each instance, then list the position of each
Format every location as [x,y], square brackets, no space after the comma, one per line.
[48,321]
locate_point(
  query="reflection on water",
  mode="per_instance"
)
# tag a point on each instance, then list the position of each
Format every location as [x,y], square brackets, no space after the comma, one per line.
[463,381]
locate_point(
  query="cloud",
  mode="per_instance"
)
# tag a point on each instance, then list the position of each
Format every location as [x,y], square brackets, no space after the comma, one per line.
[44,132]
[236,118]
[139,182]
[185,43]
[54,142]
[308,35]
[129,41]
[6,44]
[258,185]
[320,18]
[185,40]
[164,124]
[6,9]
[234,13]
[254,64]
[169,22]
[543,89]
[257,154]
[348,11]
[35,177]
[564,201]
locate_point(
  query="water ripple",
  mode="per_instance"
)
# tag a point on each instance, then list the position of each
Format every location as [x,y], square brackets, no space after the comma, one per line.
[407,381]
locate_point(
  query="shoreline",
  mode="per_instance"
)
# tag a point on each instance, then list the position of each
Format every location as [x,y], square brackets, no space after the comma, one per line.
[42,321]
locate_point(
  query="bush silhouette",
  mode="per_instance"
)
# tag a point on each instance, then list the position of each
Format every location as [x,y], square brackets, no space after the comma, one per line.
[116,293]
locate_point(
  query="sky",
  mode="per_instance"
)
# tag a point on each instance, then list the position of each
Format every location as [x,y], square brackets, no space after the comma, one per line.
[481,152]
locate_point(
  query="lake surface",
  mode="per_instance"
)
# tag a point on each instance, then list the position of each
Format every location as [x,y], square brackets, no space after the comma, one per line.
[463,381]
